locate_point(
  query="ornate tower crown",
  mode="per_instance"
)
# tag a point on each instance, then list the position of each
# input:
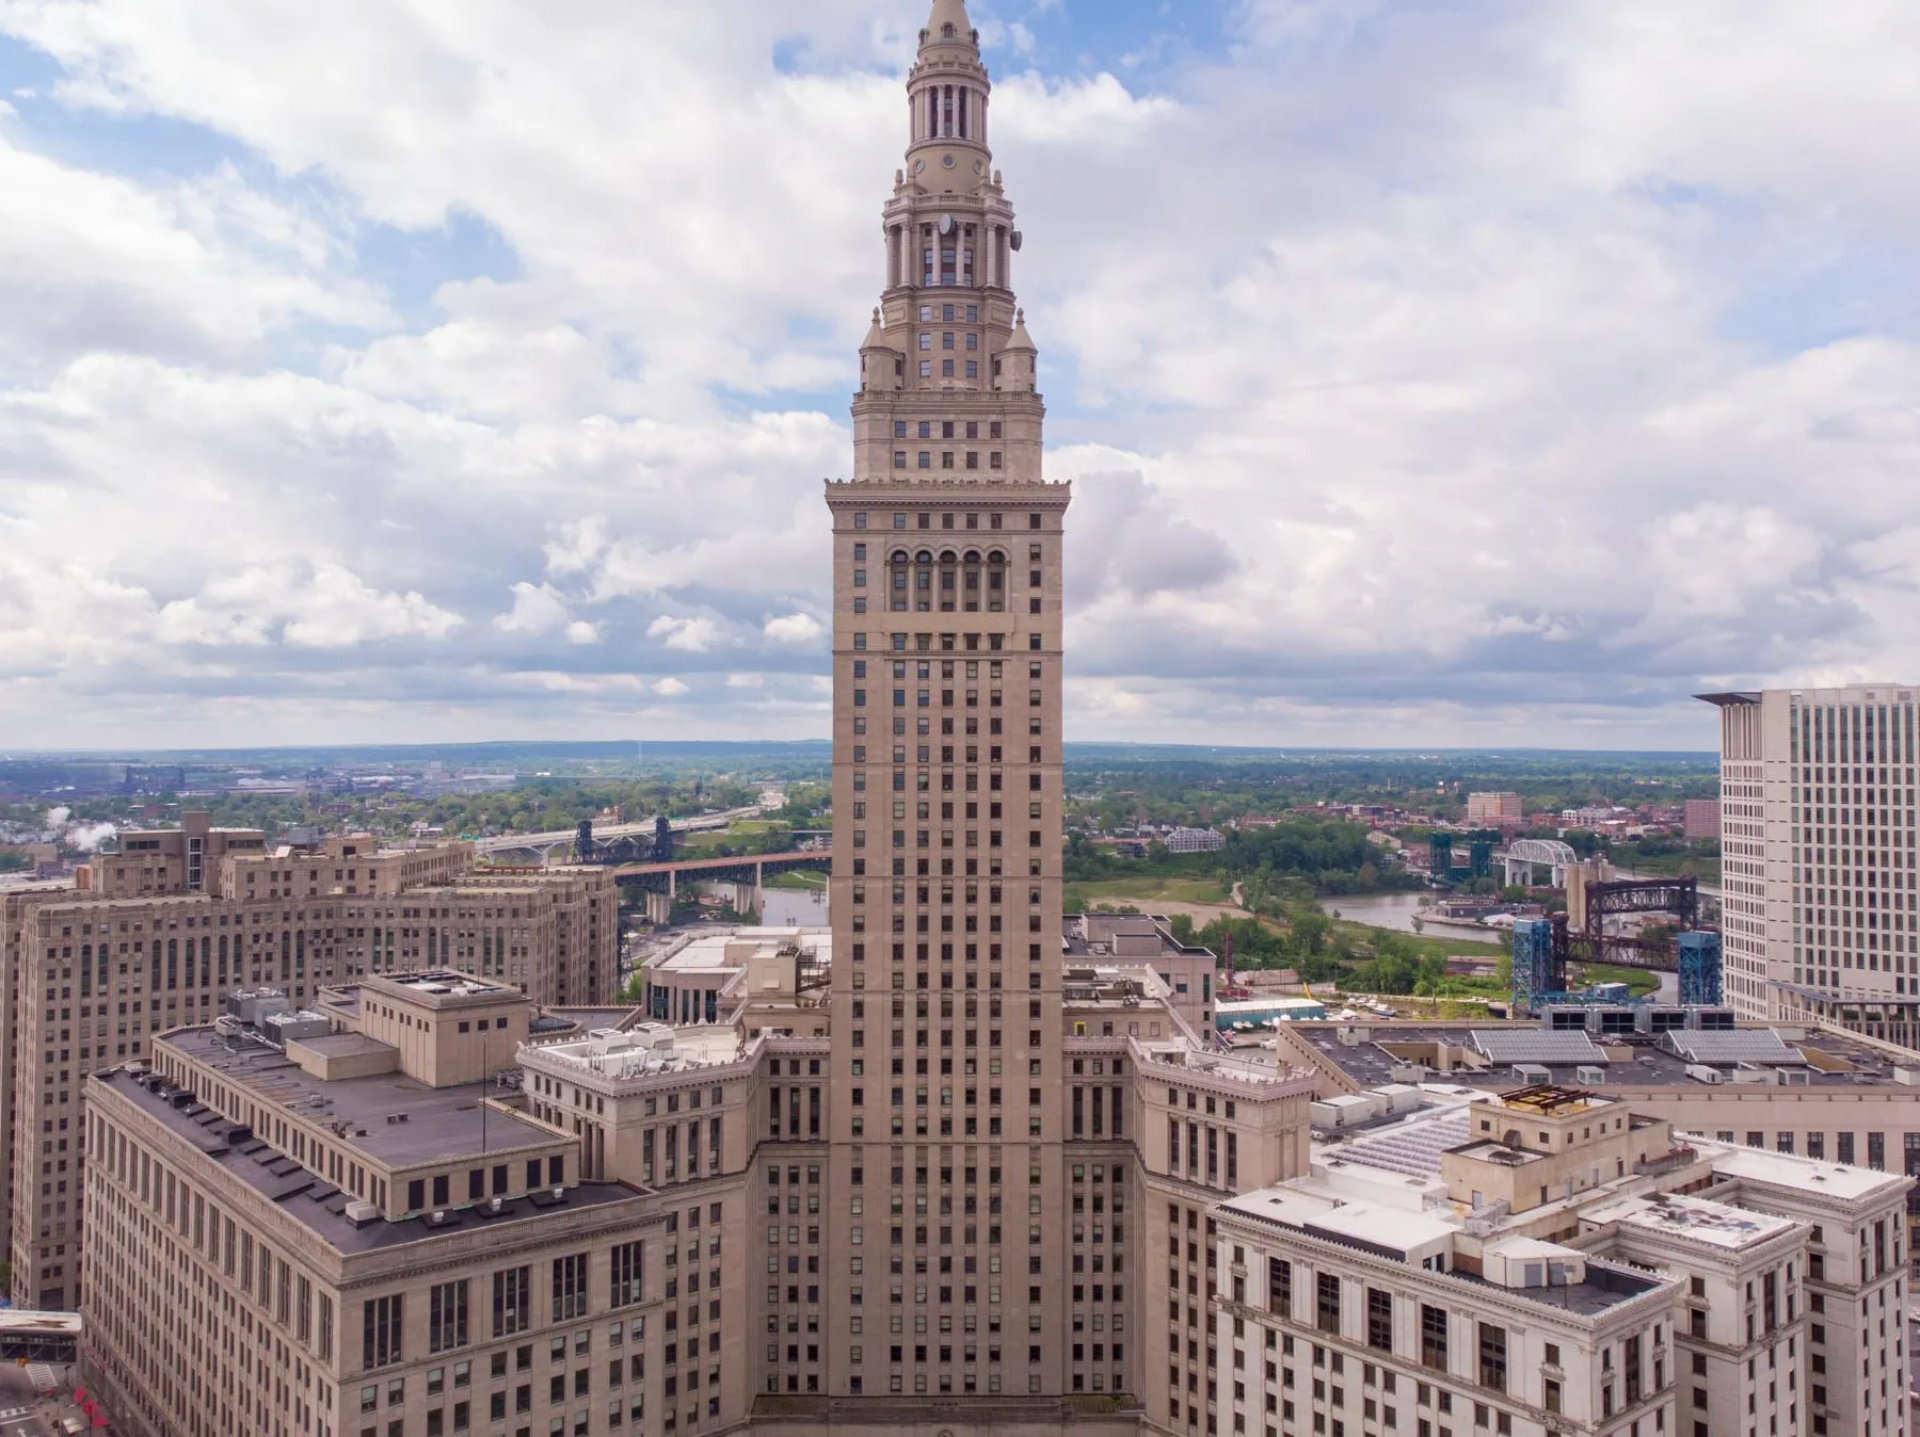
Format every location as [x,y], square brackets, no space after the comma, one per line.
[947,355]
[948,89]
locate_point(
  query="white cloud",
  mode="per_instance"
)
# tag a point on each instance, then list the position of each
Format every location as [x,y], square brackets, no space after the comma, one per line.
[1414,363]
[340,610]
[793,629]
[693,636]
[537,609]
[1032,110]
[91,261]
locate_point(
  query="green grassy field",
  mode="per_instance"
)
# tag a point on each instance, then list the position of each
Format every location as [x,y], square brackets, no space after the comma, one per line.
[1144,891]
[1638,980]
[739,833]
[804,880]
[1423,944]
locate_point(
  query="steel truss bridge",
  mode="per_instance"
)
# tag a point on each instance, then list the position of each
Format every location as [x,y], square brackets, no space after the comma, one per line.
[1543,949]
[1679,897]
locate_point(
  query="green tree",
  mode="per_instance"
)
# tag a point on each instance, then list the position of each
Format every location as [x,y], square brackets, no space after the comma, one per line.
[1310,929]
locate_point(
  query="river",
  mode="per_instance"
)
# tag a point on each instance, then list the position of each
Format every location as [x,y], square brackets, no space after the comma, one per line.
[1397,911]
[793,908]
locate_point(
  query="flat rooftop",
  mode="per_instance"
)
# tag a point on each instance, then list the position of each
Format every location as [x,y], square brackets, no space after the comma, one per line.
[365,1113]
[693,1048]
[1106,936]
[445,983]
[708,952]
[1173,1057]
[1410,1148]
[592,1018]
[1399,1233]
[319,1205]
[1806,1174]
[1699,1220]
[1400,1230]
[1833,1061]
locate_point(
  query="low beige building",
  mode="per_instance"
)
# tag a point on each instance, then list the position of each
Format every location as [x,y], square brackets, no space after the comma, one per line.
[398,1251]
[1551,1261]
[160,931]
[1810,1091]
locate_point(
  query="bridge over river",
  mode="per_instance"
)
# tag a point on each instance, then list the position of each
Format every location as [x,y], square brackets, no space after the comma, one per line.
[746,871]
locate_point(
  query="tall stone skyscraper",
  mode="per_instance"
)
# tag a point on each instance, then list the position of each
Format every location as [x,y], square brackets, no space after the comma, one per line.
[947,1122]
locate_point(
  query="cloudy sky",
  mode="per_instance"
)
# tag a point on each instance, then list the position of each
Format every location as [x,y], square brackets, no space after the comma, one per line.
[1430,371]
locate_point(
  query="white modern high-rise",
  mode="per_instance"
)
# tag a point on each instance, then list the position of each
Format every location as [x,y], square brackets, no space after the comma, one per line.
[1817,841]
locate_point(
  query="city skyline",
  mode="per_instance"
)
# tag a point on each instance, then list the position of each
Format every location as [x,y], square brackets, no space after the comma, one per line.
[1463,383]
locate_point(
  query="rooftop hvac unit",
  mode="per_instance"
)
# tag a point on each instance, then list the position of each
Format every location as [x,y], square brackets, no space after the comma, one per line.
[361,1213]
[1589,1077]
[1792,1077]
[1701,1073]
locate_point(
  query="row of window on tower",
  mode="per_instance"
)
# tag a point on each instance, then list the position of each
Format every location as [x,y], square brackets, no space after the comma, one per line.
[924,520]
[995,460]
[949,429]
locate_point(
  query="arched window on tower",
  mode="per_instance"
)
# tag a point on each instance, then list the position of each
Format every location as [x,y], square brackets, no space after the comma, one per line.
[947,581]
[897,580]
[946,131]
[923,582]
[963,112]
[996,582]
[970,581]
[947,30]
[933,112]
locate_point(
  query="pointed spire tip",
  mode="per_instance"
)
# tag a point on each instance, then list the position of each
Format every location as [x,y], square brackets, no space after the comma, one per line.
[945,13]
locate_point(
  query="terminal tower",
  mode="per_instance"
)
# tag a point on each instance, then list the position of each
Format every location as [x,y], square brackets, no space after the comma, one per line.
[949,1126]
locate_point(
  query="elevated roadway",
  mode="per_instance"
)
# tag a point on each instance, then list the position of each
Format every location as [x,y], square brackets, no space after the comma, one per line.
[548,843]
[746,871]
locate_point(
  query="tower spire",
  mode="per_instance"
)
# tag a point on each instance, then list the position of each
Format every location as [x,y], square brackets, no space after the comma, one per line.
[948,24]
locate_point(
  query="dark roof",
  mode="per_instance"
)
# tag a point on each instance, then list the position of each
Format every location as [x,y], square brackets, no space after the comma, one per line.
[390,1117]
[318,1204]
[1849,1064]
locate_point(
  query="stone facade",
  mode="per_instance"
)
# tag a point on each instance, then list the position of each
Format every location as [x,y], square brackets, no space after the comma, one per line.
[158,933]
